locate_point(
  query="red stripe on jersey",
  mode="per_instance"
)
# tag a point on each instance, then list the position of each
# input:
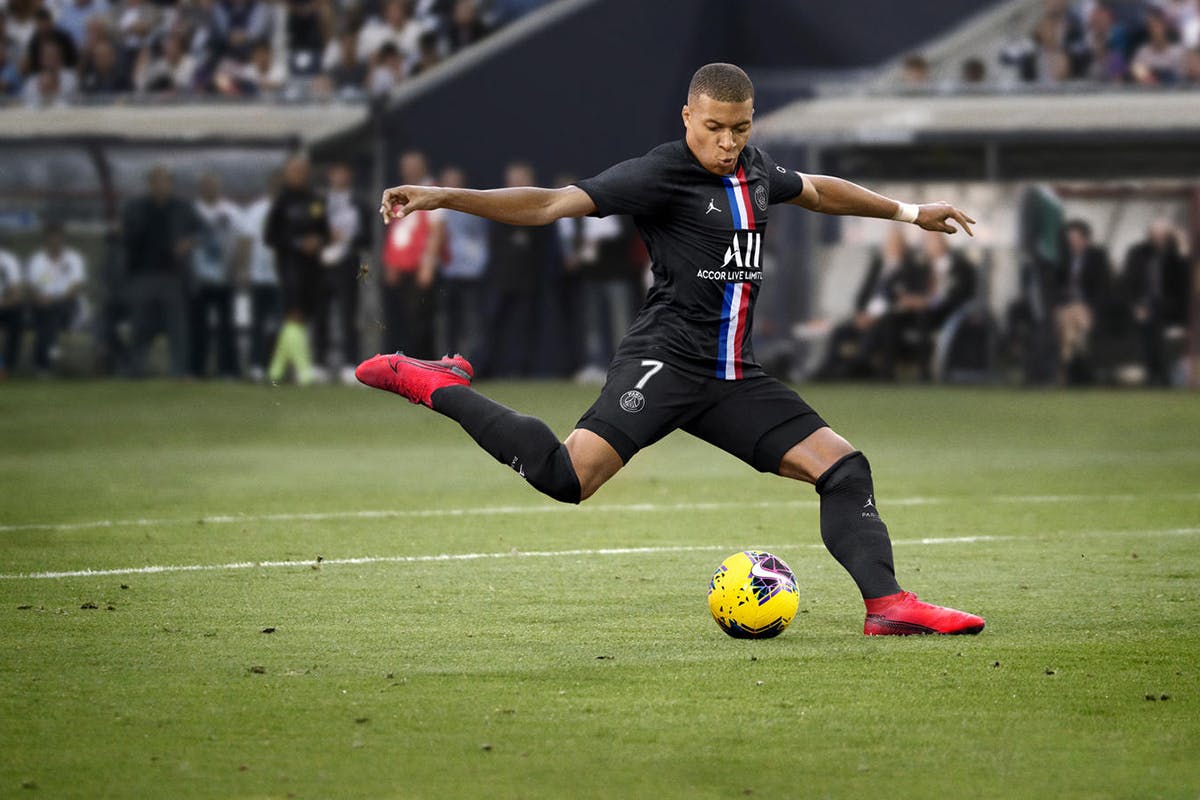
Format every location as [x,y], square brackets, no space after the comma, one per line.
[744,188]
[739,336]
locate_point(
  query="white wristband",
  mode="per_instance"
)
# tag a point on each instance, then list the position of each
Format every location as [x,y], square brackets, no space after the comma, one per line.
[907,212]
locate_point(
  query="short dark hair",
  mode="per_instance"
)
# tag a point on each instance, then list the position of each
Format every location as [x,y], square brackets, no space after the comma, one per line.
[725,83]
[1079,225]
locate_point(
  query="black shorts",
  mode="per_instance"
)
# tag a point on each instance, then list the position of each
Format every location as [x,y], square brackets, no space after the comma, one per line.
[756,419]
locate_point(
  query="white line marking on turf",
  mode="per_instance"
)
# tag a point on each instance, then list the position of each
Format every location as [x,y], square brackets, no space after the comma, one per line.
[487,511]
[601,551]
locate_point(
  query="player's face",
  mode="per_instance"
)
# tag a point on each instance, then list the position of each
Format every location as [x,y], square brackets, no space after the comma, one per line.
[717,131]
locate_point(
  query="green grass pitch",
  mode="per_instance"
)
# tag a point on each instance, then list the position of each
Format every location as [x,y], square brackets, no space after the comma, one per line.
[554,664]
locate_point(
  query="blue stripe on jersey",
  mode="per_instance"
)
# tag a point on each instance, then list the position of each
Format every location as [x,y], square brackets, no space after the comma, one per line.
[726,318]
[731,188]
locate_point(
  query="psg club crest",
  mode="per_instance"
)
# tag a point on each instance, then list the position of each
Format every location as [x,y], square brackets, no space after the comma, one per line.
[760,197]
[633,401]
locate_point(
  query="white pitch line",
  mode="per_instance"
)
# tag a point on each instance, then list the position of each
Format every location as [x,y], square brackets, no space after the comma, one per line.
[602,551]
[427,513]
[489,511]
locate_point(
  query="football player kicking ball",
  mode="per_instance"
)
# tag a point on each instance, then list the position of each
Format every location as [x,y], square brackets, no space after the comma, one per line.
[701,206]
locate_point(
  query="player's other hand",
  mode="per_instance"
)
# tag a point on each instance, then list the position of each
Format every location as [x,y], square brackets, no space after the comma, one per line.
[401,200]
[938,216]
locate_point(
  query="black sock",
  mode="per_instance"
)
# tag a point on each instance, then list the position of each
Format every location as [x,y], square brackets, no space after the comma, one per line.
[851,527]
[524,443]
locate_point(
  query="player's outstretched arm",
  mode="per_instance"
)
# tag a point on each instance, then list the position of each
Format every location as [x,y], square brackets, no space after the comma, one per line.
[831,195]
[525,205]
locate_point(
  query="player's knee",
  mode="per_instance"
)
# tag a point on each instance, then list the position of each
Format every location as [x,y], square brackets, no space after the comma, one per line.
[852,471]
[555,477]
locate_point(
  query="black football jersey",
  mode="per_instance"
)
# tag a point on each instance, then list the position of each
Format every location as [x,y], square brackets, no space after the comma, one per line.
[705,237]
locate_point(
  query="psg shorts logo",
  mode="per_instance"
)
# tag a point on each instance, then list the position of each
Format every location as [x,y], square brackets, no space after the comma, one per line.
[633,401]
[760,197]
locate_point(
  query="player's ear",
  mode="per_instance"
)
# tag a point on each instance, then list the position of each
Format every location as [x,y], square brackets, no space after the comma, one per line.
[686,114]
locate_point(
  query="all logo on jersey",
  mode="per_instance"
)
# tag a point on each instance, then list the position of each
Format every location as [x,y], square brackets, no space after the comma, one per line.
[743,259]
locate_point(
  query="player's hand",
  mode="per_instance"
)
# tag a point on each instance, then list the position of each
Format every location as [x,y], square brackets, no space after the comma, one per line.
[401,200]
[938,216]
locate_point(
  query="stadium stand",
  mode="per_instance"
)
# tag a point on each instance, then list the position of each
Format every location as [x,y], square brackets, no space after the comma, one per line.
[1012,108]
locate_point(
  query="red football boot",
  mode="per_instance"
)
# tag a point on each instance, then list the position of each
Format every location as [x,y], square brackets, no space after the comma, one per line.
[413,378]
[903,615]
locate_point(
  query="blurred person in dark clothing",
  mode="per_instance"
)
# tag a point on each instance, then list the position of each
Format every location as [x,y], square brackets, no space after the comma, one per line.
[953,281]
[855,344]
[158,233]
[47,34]
[102,71]
[466,25]
[266,304]
[1157,283]
[1082,285]
[414,248]
[297,230]
[341,259]
[517,260]
[12,310]
[460,286]
[213,266]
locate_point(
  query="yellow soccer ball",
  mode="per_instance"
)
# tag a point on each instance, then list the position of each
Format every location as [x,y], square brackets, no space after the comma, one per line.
[753,595]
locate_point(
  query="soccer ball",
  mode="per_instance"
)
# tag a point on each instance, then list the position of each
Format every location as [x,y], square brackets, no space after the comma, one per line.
[752,595]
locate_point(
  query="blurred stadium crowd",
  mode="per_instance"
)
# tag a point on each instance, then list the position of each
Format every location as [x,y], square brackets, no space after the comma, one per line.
[59,52]
[289,285]
[1099,42]
[274,288]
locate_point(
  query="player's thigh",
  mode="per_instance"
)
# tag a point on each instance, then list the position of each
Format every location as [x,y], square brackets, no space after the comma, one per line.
[642,401]
[593,459]
[758,420]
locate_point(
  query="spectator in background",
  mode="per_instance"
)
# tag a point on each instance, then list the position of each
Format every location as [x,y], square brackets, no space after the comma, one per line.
[12,310]
[915,71]
[387,71]
[1191,67]
[413,250]
[1055,51]
[56,279]
[136,22]
[1082,282]
[308,22]
[600,253]
[158,233]
[466,25]
[974,72]
[53,84]
[265,299]
[48,36]
[297,230]
[429,53]
[73,16]
[214,261]
[261,75]
[396,27]
[102,71]
[10,71]
[341,259]
[171,71]
[1158,62]
[1108,46]
[1157,284]
[45,89]
[461,284]
[953,279]
[21,21]
[1185,19]
[855,345]
[903,329]
[517,260]
[241,25]
[347,74]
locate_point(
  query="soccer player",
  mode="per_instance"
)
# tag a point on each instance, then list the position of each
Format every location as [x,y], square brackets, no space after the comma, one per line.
[701,205]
